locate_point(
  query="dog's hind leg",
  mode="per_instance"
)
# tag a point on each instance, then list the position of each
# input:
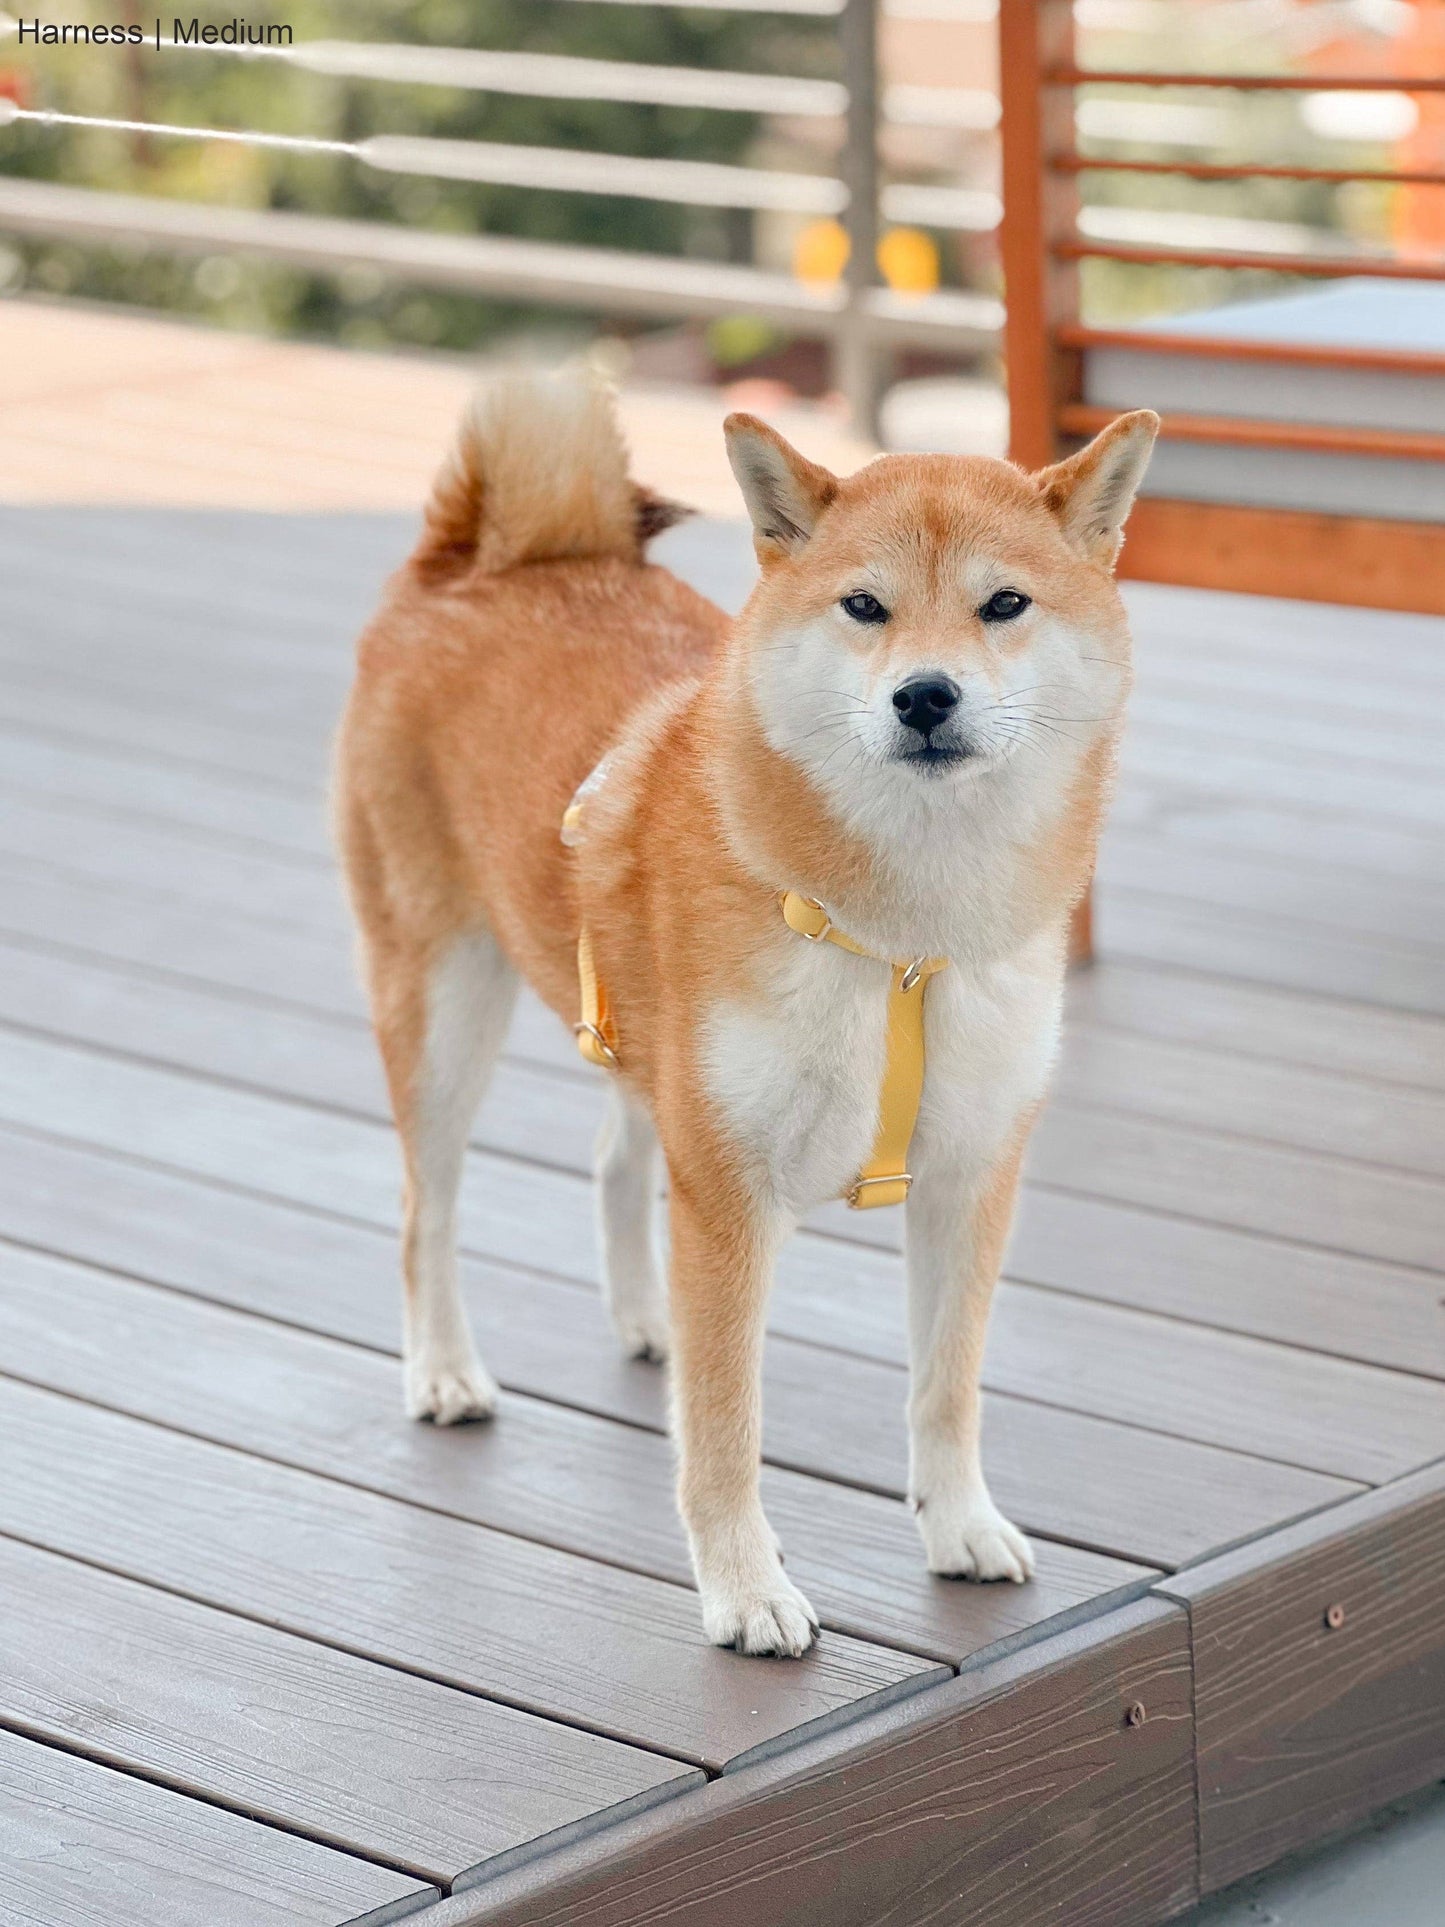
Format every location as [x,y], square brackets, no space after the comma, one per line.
[628,1167]
[441,1020]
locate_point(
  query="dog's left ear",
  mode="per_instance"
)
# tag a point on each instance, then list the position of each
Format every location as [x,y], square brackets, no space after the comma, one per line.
[785,493]
[1092,492]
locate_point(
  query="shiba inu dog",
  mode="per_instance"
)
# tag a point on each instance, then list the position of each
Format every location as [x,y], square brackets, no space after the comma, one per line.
[910,732]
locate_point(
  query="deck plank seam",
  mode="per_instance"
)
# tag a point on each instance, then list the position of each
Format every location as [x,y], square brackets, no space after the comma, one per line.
[352,1649]
[135,1770]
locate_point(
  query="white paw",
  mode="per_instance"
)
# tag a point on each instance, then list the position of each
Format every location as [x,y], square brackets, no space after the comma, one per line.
[645,1333]
[448,1390]
[773,1619]
[973,1541]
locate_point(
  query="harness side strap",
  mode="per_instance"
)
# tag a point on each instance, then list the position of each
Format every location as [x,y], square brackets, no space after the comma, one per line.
[597,1032]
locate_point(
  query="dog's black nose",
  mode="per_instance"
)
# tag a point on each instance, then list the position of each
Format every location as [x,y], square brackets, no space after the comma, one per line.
[925,702]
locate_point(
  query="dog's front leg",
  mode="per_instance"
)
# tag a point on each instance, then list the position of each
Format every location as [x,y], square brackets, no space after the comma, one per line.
[721,1270]
[958,1223]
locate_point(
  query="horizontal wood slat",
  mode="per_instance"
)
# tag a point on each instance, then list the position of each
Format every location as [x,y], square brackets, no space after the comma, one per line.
[568,1638]
[1388,267]
[1395,444]
[1071,163]
[1231,347]
[82,1846]
[1286,552]
[563,1477]
[352,1754]
[1356,83]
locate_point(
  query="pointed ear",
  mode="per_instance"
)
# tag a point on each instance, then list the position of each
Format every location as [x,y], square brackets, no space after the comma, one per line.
[785,494]
[1092,492]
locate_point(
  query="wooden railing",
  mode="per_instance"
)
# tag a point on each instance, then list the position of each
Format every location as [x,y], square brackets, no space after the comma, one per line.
[1355,558]
[862,319]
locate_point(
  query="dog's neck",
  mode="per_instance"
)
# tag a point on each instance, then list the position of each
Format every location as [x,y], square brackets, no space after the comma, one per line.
[972,868]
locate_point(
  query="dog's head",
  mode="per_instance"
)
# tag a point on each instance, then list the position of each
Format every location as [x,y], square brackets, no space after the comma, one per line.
[934,618]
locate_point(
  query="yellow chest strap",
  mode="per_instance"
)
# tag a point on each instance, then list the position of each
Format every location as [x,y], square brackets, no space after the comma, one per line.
[885,1178]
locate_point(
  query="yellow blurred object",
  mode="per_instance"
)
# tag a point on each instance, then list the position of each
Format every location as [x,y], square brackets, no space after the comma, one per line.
[907,258]
[821,251]
[908,261]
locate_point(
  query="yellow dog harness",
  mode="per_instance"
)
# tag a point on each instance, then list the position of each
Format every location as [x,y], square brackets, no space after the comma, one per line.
[885,1178]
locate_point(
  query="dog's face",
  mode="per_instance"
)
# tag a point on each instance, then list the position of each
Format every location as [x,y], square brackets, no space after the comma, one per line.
[933,619]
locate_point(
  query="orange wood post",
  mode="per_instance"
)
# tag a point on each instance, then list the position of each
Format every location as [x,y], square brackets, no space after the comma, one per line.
[1040,205]
[1041,290]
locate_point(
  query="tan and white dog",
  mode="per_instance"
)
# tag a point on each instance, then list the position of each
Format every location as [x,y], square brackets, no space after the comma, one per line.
[913,723]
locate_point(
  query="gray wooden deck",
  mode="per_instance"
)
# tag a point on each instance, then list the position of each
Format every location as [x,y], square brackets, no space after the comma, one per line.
[269,1654]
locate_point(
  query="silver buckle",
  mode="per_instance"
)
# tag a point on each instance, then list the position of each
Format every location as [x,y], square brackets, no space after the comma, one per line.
[816,936]
[912,973]
[905,1178]
[591,1030]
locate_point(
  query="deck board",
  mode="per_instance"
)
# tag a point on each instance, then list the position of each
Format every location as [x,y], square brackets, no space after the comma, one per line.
[81,1846]
[544,1630]
[346,1752]
[1222,1315]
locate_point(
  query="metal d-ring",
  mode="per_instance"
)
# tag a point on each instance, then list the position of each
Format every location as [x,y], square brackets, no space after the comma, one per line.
[816,936]
[591,1030]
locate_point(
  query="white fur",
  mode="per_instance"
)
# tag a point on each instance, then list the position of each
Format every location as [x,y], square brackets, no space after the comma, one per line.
[947,842]
[470,995]
[797,1074]
[628,1170]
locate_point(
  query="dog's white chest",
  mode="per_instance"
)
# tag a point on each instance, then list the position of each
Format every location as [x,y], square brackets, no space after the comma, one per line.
[797,1075]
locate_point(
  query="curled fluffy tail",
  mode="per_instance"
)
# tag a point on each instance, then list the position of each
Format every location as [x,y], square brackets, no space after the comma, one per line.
[538,473]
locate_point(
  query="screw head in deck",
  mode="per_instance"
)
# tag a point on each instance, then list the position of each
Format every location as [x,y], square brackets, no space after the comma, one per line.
[1334,1617]
[1136,1715]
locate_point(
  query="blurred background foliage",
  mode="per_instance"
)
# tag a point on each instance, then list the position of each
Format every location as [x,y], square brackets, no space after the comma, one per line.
[360,308]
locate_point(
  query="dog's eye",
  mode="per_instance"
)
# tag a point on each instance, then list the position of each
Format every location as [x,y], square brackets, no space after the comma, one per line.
[1003,605]
[864,607]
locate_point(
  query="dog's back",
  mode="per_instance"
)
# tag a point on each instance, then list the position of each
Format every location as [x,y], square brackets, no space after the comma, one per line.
[523,629]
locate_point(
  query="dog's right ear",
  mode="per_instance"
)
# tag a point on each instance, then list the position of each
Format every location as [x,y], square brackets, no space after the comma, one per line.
[785,494]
